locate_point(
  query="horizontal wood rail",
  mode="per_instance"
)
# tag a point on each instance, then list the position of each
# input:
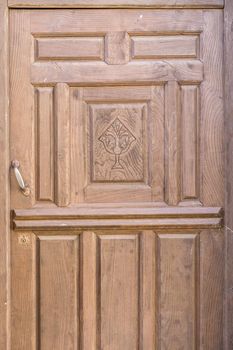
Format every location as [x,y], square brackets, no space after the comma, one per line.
[84,218]
[116,3]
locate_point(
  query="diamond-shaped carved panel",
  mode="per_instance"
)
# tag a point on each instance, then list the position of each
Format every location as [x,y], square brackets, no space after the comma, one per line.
[117,143]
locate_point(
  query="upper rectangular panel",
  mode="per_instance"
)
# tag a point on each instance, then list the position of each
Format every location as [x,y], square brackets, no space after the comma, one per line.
[118,3]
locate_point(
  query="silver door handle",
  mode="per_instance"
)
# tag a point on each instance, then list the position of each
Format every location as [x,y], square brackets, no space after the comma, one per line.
[22,185]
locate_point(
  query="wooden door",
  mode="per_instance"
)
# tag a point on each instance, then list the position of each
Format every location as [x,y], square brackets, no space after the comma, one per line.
[116,118]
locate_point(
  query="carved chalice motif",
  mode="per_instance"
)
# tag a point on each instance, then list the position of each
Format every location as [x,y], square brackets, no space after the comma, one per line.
[117,140]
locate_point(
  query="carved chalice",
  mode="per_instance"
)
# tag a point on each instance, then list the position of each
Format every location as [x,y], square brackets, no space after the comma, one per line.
[117,140]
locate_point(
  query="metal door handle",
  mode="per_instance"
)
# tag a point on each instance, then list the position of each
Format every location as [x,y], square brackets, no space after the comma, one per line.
[23,186]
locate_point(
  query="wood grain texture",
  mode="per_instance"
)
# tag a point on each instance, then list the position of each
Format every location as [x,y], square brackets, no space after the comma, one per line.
[62,144]
[166,46]
[149,312]
[84,219]
[58,292]
[178,265]
[45,144]
[212,118]
[211,289]
[138,289]
[70,48]
[119,3]
[24,306]
[22,121]
[119,281]
[89,73]
[131,21]
[140,110]
[228,70]
[172,143]
[190,144]
[228,304]
[4,166]
[157,153]
[88,290]
[117,48]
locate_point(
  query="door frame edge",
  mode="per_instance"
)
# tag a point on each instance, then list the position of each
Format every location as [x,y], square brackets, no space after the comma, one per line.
[4,178]
[228,109]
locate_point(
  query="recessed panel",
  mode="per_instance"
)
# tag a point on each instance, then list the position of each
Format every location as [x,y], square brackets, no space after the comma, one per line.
[77,48]
[58,292]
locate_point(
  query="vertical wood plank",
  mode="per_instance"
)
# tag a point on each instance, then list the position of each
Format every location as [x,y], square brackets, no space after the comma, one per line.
[211,289]
[228,307]
[157,134]
[88,299]
[24,308]
[189,130]
[228,70]
[4,178]
[58,276]
[148,293]
[45,144]
[178,260]
[172,143]
[79,131]
[212,118]
[119,292]
[22,107]
[62,144]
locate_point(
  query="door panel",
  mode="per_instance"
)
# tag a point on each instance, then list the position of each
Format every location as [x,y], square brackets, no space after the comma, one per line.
[116,117]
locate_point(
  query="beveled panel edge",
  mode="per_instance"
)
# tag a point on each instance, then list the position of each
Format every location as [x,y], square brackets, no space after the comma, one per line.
[166,4]
[86,218]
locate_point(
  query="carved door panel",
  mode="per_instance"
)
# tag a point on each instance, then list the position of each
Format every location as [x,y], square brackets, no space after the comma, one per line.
[116,118]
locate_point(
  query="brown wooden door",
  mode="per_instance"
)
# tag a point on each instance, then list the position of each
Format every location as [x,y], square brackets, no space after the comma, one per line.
[116,118]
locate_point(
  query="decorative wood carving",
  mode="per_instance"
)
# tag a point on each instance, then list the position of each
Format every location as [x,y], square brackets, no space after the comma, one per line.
[117,148]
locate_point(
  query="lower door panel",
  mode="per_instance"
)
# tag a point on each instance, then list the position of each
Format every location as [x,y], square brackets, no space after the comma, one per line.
[117,290]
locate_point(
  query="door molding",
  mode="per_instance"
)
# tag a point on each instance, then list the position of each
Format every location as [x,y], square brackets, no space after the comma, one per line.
[228,64]
[116,3]
[4,178]
[93,218]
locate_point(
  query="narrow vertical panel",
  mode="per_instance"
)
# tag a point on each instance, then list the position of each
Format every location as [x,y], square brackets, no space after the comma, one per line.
[228,310]
[88,300]
[178,261]
[62,142]
[119,292]
[157,135]
[58,276]
[211,289]
[78,117]
[24,308]
[148,292]
[4,178]
[189,98]
[228,70]
[45,151]
[212,114]
[172,143]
